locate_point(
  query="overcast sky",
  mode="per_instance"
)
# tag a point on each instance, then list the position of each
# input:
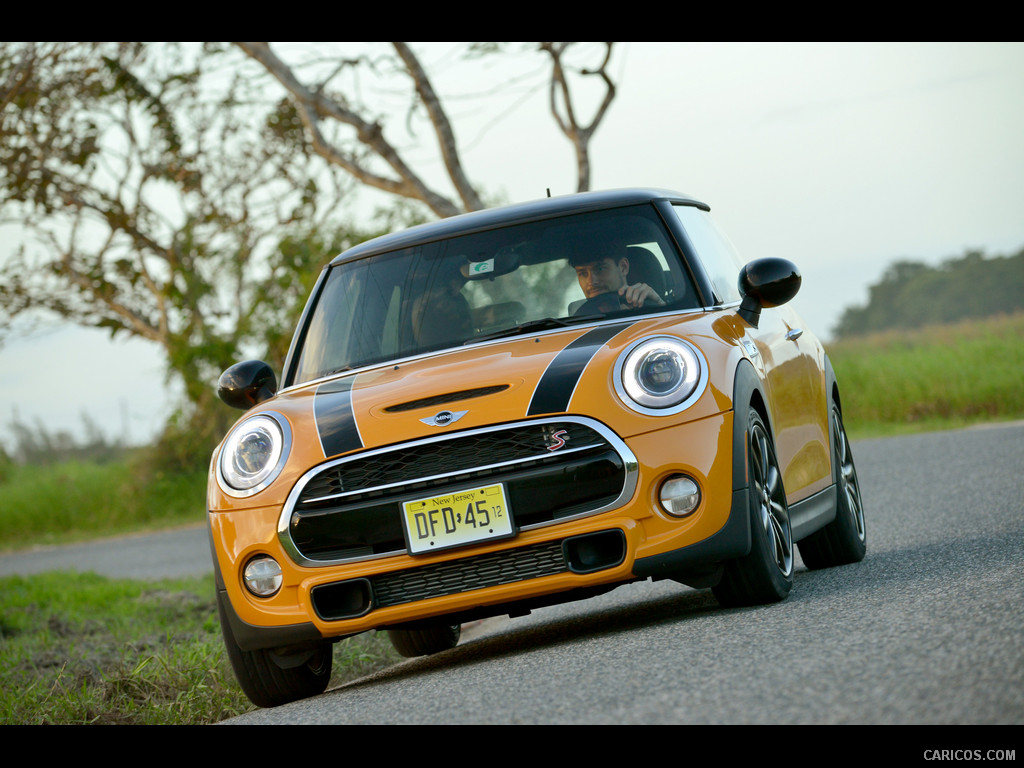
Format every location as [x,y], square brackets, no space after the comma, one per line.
[841,157]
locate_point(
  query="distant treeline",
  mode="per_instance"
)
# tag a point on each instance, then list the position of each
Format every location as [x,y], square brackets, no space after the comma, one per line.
[911,294]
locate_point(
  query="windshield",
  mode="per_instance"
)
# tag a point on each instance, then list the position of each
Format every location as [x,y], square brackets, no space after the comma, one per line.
[499,282]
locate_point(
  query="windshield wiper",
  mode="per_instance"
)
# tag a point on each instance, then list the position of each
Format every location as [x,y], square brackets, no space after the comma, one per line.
[536,325]
[335,371]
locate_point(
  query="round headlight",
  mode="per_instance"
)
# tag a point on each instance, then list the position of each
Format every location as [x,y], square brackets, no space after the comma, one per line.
[660,375]
[253,454]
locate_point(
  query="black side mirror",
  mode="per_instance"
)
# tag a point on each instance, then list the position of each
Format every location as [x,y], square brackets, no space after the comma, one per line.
[767,283]
[244,385]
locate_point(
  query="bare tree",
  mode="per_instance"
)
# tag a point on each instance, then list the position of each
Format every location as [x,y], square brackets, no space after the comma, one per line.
[565,112]
[364,151]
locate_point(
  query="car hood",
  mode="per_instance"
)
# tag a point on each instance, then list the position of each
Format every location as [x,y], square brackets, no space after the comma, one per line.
[566,371]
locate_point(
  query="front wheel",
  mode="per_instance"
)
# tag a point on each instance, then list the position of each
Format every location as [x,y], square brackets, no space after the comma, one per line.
[844,540]
[269,679]
[765,574]
[426,641]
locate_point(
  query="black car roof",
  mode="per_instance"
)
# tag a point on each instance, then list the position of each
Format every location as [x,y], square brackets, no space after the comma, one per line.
[492,218]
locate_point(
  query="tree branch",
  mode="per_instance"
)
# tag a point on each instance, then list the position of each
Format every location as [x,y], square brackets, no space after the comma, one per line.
[314,105]
[579,135]
[442,128]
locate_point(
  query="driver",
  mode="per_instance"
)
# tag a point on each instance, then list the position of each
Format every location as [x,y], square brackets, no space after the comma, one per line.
[608,275]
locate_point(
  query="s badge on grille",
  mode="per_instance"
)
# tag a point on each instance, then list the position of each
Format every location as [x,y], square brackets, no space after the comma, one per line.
[555,440]
[444,418]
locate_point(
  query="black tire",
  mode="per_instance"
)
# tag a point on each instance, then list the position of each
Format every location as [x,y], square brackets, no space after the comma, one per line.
[269,684]
[844,540]
[765,575]
[426,641]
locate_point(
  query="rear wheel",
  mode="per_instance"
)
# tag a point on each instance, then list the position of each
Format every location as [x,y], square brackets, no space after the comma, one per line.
[844,540]
[765,575]
[270,679]
[426,641]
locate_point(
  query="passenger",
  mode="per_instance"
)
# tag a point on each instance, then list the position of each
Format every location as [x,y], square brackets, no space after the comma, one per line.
[441,315]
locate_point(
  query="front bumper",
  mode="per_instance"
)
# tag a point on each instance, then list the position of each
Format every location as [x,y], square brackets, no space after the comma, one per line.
[550,561]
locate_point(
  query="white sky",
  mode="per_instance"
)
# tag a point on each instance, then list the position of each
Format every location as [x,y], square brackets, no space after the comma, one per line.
[841,157]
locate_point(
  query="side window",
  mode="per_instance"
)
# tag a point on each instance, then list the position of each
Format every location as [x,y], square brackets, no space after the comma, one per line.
[716,253]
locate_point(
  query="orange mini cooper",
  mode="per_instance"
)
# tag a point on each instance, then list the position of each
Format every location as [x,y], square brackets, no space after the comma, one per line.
[519,407]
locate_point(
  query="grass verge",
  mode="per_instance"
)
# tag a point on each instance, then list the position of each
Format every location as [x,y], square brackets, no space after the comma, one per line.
[83,649]
[939,377]
[76,501]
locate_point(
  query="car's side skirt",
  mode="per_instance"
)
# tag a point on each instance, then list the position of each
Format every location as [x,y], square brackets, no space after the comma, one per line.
[812,513]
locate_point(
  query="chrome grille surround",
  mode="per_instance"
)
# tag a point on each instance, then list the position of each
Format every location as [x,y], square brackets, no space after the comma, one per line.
[456,475]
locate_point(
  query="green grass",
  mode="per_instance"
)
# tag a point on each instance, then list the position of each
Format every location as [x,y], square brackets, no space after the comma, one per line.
[83,649]
[74,501]
[78,649]
[939,377]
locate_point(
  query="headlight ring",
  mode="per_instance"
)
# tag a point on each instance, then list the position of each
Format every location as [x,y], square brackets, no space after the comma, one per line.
[660,375]
[253,454]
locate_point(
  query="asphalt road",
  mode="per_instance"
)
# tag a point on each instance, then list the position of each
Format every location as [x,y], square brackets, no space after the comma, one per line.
[169,554]
[928,629]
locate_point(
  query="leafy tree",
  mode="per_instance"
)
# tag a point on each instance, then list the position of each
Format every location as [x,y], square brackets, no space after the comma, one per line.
[159,205]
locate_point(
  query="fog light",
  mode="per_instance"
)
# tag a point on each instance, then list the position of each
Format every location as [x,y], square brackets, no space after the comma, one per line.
[263,576]
[679,495]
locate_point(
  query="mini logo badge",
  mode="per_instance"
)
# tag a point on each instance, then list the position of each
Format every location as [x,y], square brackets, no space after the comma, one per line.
[444,418]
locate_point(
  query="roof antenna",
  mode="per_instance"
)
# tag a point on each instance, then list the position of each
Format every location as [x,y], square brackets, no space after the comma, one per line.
[549,191]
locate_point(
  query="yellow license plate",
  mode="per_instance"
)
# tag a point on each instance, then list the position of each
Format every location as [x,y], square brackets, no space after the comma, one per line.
[457,519]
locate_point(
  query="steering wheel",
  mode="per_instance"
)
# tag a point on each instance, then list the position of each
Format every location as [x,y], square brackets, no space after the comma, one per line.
[602,304]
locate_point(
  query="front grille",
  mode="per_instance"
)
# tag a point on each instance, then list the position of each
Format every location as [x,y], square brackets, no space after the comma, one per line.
[352,507]
[469,573]
[418,462]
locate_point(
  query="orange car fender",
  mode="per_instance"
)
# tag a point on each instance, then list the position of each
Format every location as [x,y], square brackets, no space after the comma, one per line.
[700,565]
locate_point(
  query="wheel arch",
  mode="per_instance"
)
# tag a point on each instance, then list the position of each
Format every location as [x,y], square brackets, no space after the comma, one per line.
[832,389]
[832,385]
[748,392]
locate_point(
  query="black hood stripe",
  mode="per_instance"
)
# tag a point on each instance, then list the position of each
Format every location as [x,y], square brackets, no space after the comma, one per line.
[335,418]
[555,389]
